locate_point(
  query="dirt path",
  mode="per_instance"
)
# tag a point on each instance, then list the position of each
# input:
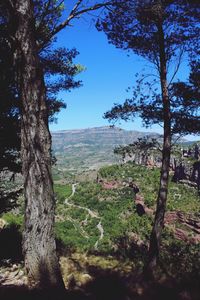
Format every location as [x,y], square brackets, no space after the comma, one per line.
[101,230]
[91,213]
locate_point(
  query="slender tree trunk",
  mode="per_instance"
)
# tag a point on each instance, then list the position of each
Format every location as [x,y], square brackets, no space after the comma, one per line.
[155,238]
[39,246]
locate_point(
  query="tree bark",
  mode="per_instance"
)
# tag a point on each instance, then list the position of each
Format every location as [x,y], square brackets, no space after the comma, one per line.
[155,239]
[39,246]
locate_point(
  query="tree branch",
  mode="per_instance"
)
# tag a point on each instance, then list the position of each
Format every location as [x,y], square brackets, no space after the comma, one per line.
[176,139]
[42,17]
[76,12]
[177,66]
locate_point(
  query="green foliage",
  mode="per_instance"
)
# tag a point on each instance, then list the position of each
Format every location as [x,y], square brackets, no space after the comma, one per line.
[144,28]
[183,198]
[113,172]
[77,230]
[181,260]
[107,205]
[62,192]
[57,64]
[115,208]
[180,197]
[68,234]
[13,219]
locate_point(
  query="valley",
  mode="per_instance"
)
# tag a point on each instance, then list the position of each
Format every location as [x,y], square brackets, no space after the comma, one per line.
[77,151]
[104,216]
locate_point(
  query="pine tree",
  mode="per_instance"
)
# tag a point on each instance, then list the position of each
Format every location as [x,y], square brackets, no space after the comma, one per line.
[41,261]
[161,32]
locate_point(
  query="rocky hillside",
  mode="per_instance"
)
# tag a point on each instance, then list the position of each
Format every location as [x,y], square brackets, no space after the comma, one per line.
[78,150]
[103,136]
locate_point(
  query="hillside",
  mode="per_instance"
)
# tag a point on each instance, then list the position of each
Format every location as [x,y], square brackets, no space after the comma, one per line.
[113,204]
[83,149]
[103,224]
[102,230]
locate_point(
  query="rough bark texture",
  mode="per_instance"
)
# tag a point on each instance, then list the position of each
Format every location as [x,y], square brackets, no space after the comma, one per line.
[39,247]
[155,238]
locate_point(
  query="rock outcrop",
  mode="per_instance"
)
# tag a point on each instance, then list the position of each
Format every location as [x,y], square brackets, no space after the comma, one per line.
[188,173]
[173,219]
[186,165]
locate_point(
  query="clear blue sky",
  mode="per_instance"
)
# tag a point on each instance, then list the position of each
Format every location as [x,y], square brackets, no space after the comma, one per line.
[109,71]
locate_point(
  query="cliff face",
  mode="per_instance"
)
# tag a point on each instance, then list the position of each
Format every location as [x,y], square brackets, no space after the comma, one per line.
[186,165]
[187,168]
[188,173]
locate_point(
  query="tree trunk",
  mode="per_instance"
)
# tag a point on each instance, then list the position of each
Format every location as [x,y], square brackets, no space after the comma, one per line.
[39,246]
[156,233]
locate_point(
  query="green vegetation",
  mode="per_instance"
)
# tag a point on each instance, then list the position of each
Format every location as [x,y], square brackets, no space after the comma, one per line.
[125,234]
[181,260]
[77,229]
[13,219]
[62,192]
[180,197]
[116,210]
[107,206]
[62,175]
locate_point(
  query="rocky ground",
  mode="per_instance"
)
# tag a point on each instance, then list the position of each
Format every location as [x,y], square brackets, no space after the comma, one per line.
[12,274]
[94,278]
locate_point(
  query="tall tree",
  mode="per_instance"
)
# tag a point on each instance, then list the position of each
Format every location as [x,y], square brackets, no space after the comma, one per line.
[39,246]
[59,72]
[161,32]
[41,261]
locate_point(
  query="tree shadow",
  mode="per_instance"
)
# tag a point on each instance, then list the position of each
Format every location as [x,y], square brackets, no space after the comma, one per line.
[9,200]
[107,285]
[115,284]
[11,244]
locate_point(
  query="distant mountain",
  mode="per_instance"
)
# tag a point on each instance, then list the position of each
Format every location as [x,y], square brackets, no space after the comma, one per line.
[102,136]
[82,149]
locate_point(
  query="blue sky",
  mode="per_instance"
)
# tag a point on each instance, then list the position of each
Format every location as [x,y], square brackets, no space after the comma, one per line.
[109,71]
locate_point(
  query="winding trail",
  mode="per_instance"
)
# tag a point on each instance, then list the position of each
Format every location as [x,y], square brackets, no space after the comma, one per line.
[101,230]
[91,213]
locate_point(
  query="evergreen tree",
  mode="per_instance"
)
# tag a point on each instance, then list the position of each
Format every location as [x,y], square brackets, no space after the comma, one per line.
[59,73]
[41,261]
[161,32]
[186,99]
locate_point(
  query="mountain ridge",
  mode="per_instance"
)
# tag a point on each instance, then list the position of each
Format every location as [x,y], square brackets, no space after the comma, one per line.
[88,135]
[99,128]
[90,148]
